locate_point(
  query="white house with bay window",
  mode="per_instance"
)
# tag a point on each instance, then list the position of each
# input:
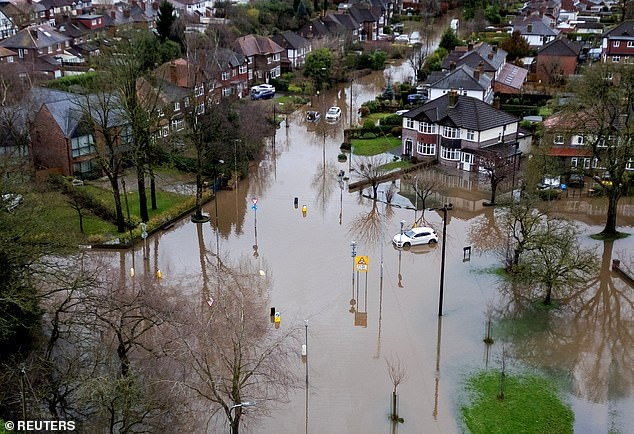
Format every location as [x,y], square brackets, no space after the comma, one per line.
[455,129]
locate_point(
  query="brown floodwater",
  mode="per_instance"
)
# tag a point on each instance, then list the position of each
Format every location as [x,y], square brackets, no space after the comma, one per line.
[357,321]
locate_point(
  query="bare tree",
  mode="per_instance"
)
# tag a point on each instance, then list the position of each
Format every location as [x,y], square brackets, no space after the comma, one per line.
[233,354]
[371,170]
[497,167]
[397,371]
[425,184]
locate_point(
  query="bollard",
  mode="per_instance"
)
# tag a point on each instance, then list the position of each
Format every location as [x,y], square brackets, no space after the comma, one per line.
[278,319]
[272,311]
[132,272]
[304,209]
[466,254]
[296,202]
[159,275]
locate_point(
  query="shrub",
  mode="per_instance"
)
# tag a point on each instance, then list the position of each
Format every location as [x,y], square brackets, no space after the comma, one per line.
[368,135]
[391,120]
[369,125]
[396,131]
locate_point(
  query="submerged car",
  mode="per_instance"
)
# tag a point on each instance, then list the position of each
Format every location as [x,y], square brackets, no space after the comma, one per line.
[312,116]
[333,114]
[415,236]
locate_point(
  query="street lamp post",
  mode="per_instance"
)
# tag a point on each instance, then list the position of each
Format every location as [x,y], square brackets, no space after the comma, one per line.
[216,206]
[442,260]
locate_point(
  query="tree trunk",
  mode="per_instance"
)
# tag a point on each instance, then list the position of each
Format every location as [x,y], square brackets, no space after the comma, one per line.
[142,195]
[549,292]
[199,195]
[394,407]
[114,183]
[494,189]
[153,190]
[610,222]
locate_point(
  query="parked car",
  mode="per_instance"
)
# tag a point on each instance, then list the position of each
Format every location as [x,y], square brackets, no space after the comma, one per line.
[11,201]
[261,87]
[414,98]
[400,112]
[333,114]
[576,180]
[312,116]
[402,38]
[262,94]
[415,236]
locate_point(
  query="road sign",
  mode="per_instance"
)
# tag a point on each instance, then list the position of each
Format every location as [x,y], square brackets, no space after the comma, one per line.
[361,263]
[254,200]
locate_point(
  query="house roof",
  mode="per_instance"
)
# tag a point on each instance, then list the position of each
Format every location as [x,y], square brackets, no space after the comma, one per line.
[537,27]
[468,112]
[481,55]
[34,37]
[344,20]
[252,45]
[625,29]
[512,76]
[560,47]
[362,14]
[463,77]
[290,40]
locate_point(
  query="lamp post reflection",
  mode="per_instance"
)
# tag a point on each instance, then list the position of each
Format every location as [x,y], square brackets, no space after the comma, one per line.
[442,260]
[254,207]
[353,301]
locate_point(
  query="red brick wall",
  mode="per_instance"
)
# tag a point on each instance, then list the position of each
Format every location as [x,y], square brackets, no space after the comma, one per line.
[50,148]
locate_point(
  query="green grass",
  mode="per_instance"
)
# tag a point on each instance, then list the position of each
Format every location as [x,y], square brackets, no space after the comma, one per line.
[65,220]
[378,145]
[400,164]
[530,405]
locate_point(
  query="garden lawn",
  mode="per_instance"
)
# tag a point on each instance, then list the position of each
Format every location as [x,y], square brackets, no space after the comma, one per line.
[378,145]
[530,405]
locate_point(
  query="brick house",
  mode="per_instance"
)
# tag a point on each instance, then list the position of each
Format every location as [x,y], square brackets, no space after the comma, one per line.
[37,46]
[556,61]
[454,129]
[617,44]
[263,56]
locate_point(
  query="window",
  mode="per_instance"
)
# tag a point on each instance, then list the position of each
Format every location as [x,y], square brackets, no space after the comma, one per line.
[559,139]
[630,44]
[200,109]
[579,141]
[617,43]
[178,124]
[225,75]
[85,168]
[10,59]
[166,131]
[574,162]
[276,57]
[50,49]
[424,127]
[198,90]
[450,154]
[269,60]
[243,69]
[233,72]
[84,145]
[616,59]
[426,148]
[187,102]
[451,132]
[226,91]
[408,147]
[630,164]
[471,135]
[160,112]
[22,52]
[409,123]
[586,163]
[177,106]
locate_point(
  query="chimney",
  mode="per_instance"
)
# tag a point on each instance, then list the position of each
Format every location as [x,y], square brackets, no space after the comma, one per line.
[143,5]
[529,28]
[452,65]
[476,74]
[173,73]
[494,48]
[470,46]
[155,6]
[453,98]
[113,15]
[126,13]
[490,55]
[34,33]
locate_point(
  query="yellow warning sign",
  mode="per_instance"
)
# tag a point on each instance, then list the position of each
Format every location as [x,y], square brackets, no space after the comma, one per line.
[361,263]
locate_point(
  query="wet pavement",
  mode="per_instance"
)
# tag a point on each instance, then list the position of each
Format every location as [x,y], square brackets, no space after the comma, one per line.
[357,320]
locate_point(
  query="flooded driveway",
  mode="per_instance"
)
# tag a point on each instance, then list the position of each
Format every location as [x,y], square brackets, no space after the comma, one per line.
[357,320]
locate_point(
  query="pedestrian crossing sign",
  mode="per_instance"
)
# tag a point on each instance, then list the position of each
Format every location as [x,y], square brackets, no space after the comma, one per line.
[361,263]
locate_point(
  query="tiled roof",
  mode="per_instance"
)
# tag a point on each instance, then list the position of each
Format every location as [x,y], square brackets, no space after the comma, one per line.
[469,113]
[34,37]
[512,76]
[626,29]
[560,47]
[290,40]
[251,45]
[462,78]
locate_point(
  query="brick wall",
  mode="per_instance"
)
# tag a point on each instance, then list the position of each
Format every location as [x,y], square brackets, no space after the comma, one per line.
[49,146]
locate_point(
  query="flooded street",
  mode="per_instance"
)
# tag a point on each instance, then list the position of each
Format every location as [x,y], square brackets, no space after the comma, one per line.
[357,320]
